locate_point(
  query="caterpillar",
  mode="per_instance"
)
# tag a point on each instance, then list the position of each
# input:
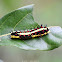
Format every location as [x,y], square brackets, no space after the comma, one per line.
[33,33]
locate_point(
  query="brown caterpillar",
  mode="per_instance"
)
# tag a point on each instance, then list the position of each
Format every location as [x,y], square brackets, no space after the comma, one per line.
[38,32]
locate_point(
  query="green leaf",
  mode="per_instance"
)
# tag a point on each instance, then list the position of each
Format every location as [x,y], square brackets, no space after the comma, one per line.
[22,19]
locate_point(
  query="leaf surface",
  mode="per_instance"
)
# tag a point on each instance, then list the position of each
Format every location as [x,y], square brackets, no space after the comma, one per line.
[22,19]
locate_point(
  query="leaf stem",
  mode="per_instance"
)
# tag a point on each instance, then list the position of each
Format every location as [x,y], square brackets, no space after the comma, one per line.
[10,33]
[52,26]
[5,35]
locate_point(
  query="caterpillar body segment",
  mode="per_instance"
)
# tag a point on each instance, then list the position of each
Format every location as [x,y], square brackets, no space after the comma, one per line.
[39,32]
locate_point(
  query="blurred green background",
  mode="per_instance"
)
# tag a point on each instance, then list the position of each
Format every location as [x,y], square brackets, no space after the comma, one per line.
[45,12]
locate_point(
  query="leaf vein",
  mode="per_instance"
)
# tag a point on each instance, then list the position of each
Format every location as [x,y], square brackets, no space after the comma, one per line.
[21,20]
